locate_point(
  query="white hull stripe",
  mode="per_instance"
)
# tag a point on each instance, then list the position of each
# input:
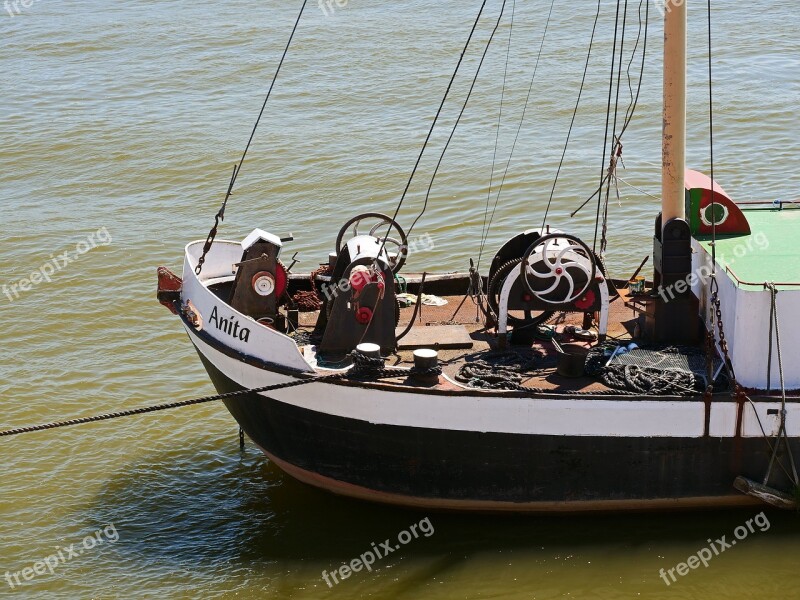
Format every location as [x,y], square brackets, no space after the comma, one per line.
[532,416]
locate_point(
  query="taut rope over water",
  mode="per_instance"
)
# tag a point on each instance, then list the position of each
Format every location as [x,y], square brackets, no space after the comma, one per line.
[220,216]
[363,368]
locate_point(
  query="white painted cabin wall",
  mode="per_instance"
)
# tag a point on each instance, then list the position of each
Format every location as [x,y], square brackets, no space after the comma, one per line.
[745,316]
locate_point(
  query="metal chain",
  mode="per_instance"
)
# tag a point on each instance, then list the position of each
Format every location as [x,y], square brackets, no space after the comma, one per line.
[220,216]
[723,343]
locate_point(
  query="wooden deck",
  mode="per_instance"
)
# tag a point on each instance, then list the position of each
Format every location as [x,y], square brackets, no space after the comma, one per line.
[431,321]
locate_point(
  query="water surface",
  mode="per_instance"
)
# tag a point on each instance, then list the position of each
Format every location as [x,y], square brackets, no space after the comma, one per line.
[128,117]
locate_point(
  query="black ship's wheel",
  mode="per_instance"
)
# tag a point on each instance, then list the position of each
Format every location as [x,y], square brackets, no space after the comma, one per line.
[401,244]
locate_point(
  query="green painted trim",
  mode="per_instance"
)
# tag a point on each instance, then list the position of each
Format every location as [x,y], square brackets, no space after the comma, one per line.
[771,253]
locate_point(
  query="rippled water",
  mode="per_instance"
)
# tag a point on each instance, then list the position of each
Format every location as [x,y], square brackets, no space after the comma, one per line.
[129,117]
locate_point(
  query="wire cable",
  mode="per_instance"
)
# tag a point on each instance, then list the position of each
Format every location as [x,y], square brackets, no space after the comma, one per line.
[516,137]
[220,216]
[608,123]
[497,130]
[458,119]
[433,124]
[574,115]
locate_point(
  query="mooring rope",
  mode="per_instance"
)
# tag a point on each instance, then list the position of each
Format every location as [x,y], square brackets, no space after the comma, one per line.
[158,407]
[364,367]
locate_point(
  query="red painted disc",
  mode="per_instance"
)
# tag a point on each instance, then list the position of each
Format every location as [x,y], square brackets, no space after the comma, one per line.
[586,301]
[364,315]
[281,279]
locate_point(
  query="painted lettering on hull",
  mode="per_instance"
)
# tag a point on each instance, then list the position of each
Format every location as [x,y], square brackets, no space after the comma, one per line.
[229,325]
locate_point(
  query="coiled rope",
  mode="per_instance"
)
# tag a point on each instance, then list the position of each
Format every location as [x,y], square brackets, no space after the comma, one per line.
[648,381]
[497,371]
[508,370]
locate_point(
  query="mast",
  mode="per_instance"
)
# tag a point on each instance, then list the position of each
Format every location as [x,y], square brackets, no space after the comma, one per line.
[674,138]
[673,321]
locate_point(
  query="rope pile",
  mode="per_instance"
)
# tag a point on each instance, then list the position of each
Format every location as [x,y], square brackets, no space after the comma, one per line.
[648,381]
[508,371]
[497,371]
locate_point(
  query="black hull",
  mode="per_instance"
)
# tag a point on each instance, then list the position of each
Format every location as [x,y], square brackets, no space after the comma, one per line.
[495,471]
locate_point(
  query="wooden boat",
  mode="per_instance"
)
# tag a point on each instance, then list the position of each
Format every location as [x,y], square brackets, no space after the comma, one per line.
[427,406]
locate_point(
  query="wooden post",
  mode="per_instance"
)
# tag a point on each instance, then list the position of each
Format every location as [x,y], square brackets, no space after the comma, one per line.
[674,138]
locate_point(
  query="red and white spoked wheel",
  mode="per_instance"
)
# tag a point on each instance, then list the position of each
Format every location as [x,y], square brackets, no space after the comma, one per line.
[558,268]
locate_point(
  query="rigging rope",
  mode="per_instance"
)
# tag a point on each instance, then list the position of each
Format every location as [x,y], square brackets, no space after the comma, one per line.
[458,119]
[433,124]
[635,100]
[715,307]
[516,137]
[713,283]
[607,174]
[616,142]
[574,115]
[220,216]
[497,130]
[711,152]
[608,122]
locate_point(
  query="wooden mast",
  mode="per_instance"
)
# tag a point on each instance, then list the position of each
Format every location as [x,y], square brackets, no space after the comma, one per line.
[674,138]
[673,321]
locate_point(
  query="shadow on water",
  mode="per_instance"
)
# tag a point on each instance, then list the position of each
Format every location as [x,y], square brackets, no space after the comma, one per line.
[209,504]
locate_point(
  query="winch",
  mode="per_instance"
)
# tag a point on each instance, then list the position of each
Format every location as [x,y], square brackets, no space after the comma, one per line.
[538,273]
[261,279]
[359,302]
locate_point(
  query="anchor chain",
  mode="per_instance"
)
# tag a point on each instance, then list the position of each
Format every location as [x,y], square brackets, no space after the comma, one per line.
[723,343]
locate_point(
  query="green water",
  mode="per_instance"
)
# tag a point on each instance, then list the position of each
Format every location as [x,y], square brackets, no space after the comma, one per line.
[122,121]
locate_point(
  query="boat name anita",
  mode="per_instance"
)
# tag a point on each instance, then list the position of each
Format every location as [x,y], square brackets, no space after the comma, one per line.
[229,325]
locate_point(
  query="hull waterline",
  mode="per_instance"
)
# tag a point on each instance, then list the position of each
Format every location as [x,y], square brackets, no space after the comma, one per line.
[489,471]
